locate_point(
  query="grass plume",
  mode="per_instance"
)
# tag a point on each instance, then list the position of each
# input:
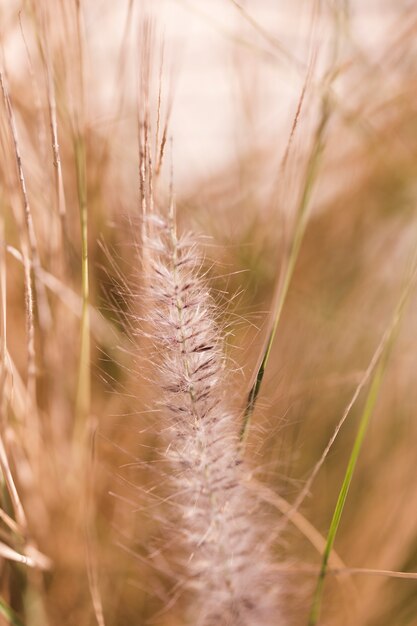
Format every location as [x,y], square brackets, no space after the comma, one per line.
[228,565]
[131,489]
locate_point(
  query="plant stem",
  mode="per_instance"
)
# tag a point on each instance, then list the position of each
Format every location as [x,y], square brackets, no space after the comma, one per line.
[301,223]
[360,435]
[83,386]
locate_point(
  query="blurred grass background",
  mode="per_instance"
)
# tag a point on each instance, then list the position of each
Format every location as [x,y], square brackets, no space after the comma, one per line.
[235,73]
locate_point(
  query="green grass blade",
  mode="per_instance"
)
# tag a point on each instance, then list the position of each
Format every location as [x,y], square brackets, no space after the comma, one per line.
[9,614]
[370,403]
[301,223]
[369,407]
[302,214]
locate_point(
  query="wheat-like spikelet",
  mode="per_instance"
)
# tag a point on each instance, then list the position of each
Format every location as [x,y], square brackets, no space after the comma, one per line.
[226,551]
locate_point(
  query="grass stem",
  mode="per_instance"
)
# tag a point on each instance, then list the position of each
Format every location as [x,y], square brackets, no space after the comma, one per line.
[83,386]
[368,410]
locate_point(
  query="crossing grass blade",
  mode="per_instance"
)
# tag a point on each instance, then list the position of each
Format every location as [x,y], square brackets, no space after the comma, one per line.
[283,287]
[368,410]
[83,390]
[302,212]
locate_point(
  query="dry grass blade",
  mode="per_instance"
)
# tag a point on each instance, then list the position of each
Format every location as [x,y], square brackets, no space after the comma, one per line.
[27,258]
[9,553]
[12,525]
[373,572]
[33,260]
[273,41]
[298,520]
[53,123]
[3,317]
[91,542]
[83,386]
[139,324]
[11,486]
[362,383]
[83,395]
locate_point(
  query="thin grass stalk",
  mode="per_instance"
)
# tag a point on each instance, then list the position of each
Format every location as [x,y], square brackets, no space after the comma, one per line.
[43,308]
[373,572]
[285,281]
[11,487]
[91,543]
[120,94]
[28,251]
[302,211]
[84,373]
[271,39]
[3,318]
[369,407]
[362,383]
[363,425]
[83,393]
[301,523]
[40,126]
[59,180]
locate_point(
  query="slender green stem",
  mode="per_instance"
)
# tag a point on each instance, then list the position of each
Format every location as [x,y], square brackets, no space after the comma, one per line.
[370,403]
[302,215]
[369,407]
[301,223]
[9,614]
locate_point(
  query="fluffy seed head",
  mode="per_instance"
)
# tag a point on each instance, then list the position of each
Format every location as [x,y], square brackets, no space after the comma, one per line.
[226,561]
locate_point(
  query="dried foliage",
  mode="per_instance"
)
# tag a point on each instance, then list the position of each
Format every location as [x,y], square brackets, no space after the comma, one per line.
[214,428]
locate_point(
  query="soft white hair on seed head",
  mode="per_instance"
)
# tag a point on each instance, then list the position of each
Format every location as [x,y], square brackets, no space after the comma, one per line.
[226,549]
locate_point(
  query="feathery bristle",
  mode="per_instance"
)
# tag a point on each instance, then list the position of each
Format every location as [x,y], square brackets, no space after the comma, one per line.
[226,561]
